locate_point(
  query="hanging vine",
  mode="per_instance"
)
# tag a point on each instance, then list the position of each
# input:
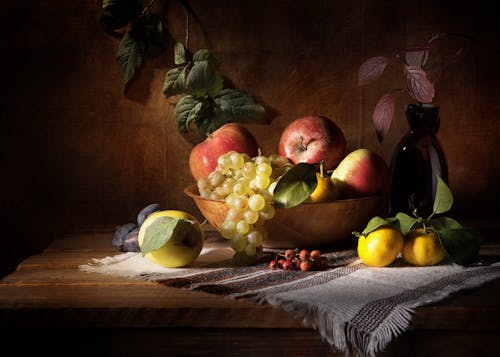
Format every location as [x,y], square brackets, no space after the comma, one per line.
[205,104]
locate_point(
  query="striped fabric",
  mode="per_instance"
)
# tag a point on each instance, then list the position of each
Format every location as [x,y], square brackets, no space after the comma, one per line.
[357,309]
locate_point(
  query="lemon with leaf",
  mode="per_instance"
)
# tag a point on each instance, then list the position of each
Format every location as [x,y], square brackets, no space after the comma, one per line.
[380,247]
[171,238]
[422,248]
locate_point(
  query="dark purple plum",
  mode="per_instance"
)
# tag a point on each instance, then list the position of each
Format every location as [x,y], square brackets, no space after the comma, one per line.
[120,235]
[131,241]
[146,211]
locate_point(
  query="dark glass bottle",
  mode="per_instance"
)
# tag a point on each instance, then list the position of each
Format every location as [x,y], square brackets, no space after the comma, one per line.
[417,159]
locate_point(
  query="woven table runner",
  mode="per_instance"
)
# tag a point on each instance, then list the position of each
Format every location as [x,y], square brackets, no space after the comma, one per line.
[357,309]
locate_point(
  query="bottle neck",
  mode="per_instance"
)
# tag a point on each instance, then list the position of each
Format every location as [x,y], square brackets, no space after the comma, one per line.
[423,117]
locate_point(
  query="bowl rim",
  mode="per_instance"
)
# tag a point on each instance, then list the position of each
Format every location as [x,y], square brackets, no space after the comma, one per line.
[192,191]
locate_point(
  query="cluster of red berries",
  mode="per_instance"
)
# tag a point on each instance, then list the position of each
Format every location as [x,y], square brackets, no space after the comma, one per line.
[295,259]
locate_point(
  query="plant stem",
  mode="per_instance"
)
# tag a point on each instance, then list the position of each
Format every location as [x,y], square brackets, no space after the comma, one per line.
[147,7]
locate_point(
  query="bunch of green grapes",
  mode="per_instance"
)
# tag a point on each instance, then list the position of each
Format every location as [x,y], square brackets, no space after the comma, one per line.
[246,184]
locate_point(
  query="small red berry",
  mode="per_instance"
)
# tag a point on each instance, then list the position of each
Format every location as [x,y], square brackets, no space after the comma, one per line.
[288,265]
[273,264]
[304,255]
[305,265]
[315,254]
[289,254]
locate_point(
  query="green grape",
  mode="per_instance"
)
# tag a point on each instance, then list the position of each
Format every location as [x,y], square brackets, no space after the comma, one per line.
[224,161]
[216,178]
[240,202]
[255,237]
[256,202]
[236,161]
[242,227]
[249,169]
[264,168]
[250,250]
[261,181]
[267,212]
[238,242]
[250,216]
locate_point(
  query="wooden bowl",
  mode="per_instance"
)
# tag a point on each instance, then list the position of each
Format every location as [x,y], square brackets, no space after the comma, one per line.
[306,225]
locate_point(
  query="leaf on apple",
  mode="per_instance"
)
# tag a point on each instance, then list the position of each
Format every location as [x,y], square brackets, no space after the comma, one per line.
[295,186]
[417,84]
[383,114]
[371,69]
[163,228]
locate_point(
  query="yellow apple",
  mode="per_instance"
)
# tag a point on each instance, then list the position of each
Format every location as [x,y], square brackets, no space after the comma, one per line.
[182,246]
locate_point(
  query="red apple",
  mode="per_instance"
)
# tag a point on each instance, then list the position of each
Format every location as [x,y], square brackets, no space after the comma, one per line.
[362,172]
[313,139]
[230,136]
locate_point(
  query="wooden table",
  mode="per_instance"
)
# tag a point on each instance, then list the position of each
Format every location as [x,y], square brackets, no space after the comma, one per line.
[84,313]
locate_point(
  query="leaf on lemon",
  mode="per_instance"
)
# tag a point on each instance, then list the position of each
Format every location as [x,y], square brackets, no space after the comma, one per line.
[406,222]
[461,245]
[296,185]
[159,232]
[443,199]
[374,223]
[445,223]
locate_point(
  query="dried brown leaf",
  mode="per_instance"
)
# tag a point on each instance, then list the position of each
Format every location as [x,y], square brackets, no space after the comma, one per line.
[371,69]
[383,114]
[418,85]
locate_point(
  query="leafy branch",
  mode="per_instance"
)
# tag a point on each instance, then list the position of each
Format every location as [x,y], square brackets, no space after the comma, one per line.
[141,33]
[205,104]
[411,62]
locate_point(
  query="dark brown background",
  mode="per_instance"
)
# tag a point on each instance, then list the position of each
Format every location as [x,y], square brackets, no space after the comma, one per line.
[77,152]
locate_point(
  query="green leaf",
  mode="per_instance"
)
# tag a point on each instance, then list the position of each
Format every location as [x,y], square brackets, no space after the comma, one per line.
[151,29]
[296,185]
[374,223]
[443,199]
[406,222]
[162,230]
[461,245]
[117,13]
[444,223]
[205,55]
[179,53]
[175,81]
[204,80]
[129,57]
[186,110]
[237,106]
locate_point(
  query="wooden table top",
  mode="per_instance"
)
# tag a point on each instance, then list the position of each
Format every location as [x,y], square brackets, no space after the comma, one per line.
[49,291]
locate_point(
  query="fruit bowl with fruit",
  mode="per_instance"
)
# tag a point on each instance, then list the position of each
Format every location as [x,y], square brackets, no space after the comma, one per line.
[305,225]
[308,194]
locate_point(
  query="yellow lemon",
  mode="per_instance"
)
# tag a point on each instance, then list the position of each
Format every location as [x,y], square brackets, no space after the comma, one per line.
[182,248]
[380,247]
[422,248]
